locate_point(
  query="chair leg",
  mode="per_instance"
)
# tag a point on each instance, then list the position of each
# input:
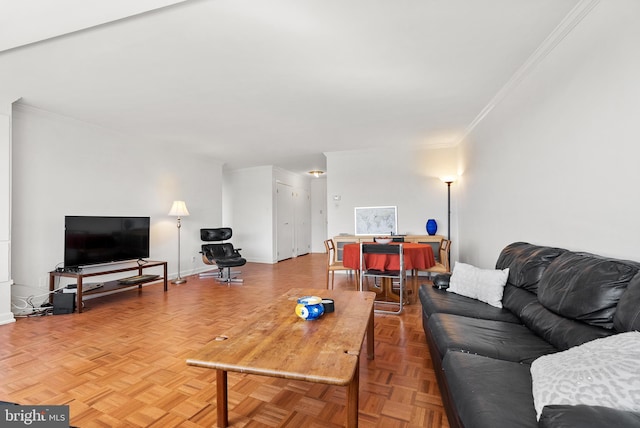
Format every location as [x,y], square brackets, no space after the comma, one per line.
[400,301]
[228,279]
[210,274]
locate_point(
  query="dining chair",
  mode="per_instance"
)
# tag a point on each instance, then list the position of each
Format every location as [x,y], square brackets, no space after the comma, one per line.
[435,247]
[385,276]
[333,264]
[442,261]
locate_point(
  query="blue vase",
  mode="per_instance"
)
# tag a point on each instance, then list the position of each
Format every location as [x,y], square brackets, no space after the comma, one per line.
[432,226]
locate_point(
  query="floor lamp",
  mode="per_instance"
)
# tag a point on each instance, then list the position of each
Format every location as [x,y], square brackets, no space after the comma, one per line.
[448,180]
[179,209]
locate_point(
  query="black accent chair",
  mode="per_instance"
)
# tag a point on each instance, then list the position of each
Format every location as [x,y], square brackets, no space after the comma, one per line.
[221,254]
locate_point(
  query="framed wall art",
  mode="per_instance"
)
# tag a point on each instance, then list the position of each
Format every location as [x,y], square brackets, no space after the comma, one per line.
[376,220]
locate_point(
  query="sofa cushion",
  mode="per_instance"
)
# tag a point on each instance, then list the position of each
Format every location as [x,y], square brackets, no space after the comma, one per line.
[485,285]
[489,392]
[526,263]
[585,287]
[561,332]
[603,372]
[627,317]
[517,299]
[496,339]
[564,416]
[439,301]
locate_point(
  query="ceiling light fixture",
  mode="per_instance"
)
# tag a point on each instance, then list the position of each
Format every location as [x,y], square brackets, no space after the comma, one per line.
[316,173]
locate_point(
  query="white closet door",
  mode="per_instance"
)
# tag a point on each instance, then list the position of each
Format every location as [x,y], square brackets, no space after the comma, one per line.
[303,222]
[285,222]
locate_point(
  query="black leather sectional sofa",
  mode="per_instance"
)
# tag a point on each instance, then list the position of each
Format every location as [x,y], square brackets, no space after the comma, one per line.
[554,300]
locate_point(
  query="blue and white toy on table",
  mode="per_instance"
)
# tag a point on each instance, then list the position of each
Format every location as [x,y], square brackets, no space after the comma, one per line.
[309,307]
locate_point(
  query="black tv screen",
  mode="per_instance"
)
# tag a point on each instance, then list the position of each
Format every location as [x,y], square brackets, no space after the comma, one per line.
[92,240]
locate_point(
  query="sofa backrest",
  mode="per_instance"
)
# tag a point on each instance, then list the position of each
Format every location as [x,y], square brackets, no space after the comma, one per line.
[569,298]
[627,317]
[585,287]
[526,263]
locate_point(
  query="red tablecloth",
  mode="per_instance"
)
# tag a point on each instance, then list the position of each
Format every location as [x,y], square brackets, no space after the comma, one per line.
[416,256]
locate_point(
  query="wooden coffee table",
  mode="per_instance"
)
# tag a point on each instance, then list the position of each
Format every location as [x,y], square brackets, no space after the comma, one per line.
[275,342]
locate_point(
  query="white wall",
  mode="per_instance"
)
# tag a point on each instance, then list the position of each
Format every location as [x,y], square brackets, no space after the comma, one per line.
[249,198]
[64,167]
[249,211]
[408,179]
[556,163]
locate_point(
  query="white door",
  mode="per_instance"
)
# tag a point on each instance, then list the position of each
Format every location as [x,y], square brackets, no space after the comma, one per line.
[285,214]
[303,222]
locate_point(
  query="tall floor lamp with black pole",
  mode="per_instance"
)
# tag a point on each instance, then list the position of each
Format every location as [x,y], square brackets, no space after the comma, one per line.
[179,209]
[448,181]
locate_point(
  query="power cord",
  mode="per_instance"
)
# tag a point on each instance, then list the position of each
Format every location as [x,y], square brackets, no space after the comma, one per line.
[28,305]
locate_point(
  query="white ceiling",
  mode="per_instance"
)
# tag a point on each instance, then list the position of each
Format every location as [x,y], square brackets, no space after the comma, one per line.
[271,82]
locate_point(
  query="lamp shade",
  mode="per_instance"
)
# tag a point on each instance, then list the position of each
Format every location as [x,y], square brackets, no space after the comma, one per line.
[179,209]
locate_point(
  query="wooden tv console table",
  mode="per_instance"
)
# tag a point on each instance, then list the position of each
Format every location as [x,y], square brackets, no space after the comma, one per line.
[108,286]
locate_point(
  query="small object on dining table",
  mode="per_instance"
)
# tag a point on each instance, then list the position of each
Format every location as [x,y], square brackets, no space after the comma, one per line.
[383,240]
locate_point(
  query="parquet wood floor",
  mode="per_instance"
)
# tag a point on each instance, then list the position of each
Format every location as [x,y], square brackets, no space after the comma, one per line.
[121,363]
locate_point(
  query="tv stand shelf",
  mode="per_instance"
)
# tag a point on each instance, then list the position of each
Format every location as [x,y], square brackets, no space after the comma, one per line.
[108,286]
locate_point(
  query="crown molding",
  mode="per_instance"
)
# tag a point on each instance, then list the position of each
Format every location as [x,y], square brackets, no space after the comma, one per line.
[566,26]
[21,106]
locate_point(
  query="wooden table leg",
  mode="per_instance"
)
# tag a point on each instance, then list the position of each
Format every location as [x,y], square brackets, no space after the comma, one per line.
[370,338]
[52,281]
[165,275]
[352,398]
[79,294]
[221,389]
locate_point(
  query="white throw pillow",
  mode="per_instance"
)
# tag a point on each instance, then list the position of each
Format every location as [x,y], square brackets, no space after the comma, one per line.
[604,372]
[486,285]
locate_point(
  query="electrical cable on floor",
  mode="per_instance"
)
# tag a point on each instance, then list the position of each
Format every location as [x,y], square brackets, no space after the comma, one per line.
[29,305]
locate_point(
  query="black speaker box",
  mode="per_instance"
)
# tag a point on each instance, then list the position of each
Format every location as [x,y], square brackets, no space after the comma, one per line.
[64,303]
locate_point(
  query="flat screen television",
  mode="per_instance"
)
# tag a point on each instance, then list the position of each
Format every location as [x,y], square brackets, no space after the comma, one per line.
[90,240]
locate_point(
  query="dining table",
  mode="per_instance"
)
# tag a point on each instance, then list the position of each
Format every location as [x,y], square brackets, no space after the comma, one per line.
[416,257]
